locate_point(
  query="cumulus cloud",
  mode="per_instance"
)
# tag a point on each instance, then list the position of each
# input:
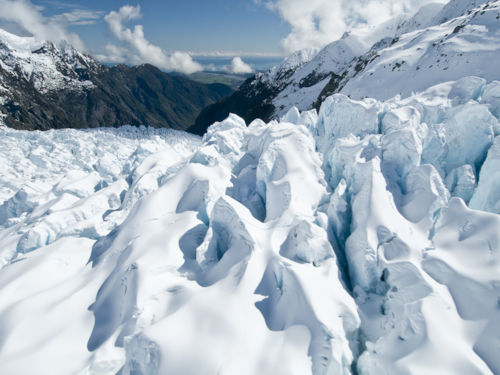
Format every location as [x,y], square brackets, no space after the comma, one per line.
[238,66]
[315,23]
[113,54]
[26,15]
[137,49]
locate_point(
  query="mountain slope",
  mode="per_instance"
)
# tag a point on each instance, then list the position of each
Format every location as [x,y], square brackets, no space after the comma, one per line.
[43,86]
[466,44]
[436,45]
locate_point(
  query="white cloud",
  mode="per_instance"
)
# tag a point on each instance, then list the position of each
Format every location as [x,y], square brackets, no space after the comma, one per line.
[29,17]
[78,17]
[138,49]
[234,53]
[238,66]
[113,54]
[315,23]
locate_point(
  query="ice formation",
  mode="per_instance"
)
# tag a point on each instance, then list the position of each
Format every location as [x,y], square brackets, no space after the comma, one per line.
[363,239]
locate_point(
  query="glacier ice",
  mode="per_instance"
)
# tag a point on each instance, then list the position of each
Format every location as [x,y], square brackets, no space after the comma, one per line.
[465,89]
[486,196]
[491,96]
[340,116]
[362,239]
[425,193]
[461,182]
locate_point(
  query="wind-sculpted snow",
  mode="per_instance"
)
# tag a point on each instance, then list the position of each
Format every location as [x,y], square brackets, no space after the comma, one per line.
[361,240]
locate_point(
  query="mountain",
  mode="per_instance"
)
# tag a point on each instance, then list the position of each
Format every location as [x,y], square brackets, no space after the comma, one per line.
[435,45]
[359,237]
[363,239]
[43,86]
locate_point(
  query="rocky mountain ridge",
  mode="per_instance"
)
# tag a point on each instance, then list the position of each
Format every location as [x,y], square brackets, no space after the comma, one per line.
[45,86]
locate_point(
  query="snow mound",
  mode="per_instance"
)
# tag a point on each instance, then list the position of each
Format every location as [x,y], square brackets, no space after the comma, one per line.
[360,240]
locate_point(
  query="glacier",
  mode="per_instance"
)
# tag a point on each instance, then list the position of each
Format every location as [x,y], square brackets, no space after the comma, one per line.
[360,239]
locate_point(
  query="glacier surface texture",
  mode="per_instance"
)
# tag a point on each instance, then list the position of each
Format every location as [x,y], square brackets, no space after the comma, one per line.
[362,239]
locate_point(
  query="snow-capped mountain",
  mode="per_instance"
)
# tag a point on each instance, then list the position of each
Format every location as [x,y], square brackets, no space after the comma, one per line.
[360,237]
[437,44]
[465,44]
[361,240]
[45,86]
[45,66]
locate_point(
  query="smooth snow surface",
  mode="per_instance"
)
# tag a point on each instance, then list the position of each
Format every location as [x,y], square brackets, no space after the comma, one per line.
[361,240]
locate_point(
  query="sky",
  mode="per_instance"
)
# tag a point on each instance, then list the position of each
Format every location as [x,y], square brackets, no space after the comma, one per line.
[168,33]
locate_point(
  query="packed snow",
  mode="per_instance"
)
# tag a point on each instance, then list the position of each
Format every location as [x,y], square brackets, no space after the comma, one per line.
[363,239]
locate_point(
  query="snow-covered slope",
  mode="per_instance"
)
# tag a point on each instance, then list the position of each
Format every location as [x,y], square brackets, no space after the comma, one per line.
[45,65]
[338,243]
[401,56]
[307,82]
[465,44]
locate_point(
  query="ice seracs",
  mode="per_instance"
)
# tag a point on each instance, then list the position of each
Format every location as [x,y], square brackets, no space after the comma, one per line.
[361,240]
[485,197]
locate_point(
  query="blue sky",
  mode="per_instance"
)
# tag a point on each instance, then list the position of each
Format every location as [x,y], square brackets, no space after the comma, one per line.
[169,33]
[187,25]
